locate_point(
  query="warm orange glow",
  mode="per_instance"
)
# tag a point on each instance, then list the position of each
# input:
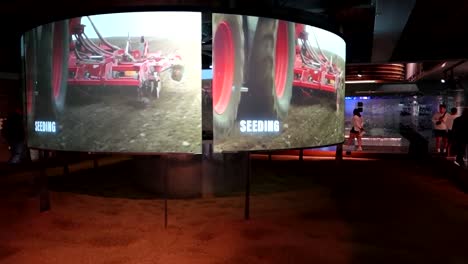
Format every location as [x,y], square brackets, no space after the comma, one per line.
[354,156]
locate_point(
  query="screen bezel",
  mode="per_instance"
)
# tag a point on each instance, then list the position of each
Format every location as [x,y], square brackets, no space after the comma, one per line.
[286,14]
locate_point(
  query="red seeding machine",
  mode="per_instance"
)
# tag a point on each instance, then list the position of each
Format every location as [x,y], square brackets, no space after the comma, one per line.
[106,64]
[73,60]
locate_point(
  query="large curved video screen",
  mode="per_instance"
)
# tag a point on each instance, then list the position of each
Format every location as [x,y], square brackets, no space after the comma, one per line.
[276,84]
[124,82]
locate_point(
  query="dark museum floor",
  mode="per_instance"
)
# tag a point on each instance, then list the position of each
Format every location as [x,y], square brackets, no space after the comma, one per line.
[362,211]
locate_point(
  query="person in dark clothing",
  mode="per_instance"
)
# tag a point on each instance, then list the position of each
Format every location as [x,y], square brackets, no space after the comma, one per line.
[13,132]
[460,136]
[449,123]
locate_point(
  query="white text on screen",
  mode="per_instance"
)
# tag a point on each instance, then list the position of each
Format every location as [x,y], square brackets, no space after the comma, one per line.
[44,126]
[259,126]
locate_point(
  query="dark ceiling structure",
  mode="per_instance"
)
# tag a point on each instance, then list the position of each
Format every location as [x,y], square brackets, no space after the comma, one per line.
[435,31]
[376,31]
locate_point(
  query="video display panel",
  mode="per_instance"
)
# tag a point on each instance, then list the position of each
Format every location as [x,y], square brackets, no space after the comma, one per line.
[124,82]
[276,84]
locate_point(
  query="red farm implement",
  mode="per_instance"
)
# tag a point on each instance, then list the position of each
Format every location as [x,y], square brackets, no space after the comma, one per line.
[60,55]
[312,68]
[105,64]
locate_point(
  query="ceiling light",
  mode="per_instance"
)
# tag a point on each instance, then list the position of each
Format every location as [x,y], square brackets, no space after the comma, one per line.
[442,80]
[359,75]
[443,64]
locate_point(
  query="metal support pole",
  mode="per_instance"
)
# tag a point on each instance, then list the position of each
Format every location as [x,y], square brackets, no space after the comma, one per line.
[247,186]
[95,162]
[165,171]
[339,152]
[66,169]
[207,170]
[44,198]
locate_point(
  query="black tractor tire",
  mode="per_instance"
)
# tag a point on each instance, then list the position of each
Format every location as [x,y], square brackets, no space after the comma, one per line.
[61,28]
[282,104]
[43,105]
[49,45]
[223,123]
[263,101]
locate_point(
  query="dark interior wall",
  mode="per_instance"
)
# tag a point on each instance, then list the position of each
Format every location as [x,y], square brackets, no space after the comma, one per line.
[466,93]
[434,31]
[10,95]
[357,25]
[452,95]
[10,47]
[433,87]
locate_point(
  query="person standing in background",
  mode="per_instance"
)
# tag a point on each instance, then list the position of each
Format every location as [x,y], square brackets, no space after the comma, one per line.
[440,128]
[460,136]
[13,131]
[357,129]
[450,118]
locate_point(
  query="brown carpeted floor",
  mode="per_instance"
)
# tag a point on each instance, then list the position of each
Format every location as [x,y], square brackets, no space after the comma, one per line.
[357,212]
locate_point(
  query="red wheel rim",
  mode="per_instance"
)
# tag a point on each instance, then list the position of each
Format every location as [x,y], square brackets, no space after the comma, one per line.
[57,59]
[223,67]
[281,58]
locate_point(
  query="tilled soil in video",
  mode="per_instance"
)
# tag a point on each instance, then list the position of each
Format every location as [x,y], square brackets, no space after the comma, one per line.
[306,125]
[111,119]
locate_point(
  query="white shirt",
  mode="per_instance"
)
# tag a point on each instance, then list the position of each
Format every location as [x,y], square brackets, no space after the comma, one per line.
[449,121]
[357,123]
[443,124]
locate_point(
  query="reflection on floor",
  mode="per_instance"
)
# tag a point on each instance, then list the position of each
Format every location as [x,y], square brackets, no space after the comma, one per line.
[382,145]
[4,152]
[373,211]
